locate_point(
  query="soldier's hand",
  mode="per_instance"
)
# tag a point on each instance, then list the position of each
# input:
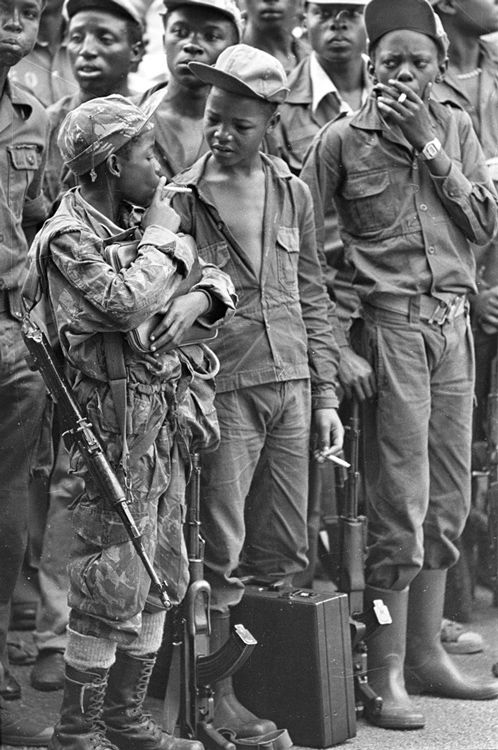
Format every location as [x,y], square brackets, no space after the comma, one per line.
[160,211]
[356,376]
[401,105]
[180,315]
[329,433]
[486,309]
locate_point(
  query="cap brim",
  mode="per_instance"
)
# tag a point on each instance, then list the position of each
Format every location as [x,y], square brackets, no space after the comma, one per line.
[210,75]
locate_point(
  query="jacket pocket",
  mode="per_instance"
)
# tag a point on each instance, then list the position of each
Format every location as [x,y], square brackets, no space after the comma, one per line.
[288,257]
[24,160]
[369,200]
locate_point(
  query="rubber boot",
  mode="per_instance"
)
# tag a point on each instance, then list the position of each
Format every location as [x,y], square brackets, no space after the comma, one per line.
[20,730]
[428,668]
[127,726]
[385,659]
[228,712]
[80,726]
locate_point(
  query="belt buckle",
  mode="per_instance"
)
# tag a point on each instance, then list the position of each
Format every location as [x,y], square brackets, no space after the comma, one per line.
[447,312]
[440,314]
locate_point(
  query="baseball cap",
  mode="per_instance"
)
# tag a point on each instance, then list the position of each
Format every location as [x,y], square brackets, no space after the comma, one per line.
[229,8]
[383,16]
[98,128]
[246,71]
[125,8]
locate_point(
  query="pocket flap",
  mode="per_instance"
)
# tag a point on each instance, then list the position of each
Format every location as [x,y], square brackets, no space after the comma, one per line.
[24,156]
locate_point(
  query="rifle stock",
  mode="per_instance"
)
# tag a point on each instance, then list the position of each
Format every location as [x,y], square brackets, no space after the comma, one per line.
[79,429]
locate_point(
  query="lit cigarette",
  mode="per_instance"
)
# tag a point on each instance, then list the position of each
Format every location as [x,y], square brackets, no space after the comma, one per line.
[177,189]
[402,98]
[337,460]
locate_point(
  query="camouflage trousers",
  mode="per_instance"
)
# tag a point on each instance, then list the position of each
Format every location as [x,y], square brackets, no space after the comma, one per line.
[109,587]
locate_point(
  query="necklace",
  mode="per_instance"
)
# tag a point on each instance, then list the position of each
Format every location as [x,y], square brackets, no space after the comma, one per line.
[471,74]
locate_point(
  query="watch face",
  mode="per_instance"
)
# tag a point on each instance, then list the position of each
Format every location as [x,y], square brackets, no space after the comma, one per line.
[431,150]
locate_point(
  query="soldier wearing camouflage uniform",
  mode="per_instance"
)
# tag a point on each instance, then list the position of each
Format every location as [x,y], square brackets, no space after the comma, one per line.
[115,626]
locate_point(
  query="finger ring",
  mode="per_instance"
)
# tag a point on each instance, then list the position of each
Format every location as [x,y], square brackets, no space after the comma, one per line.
[402,98]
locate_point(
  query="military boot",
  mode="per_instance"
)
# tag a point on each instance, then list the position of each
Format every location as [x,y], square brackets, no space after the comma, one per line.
[228,712]
[428,668]
[385,659]
[80,726]
[127,725]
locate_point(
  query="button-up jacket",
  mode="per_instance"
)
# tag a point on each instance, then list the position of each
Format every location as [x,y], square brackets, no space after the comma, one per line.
[280,331]
[405,230]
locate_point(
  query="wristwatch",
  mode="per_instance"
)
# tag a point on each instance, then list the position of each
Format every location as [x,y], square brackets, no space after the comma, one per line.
[431,150]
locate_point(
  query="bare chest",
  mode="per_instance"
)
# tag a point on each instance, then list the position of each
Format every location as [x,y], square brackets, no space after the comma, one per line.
[242,210]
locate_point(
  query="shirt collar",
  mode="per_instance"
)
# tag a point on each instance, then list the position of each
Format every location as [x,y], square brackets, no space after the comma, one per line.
[322,85]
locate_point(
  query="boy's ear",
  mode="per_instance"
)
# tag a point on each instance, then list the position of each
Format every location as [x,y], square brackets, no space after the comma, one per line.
[273,122]
[113,165]
[443,67]
[137,52]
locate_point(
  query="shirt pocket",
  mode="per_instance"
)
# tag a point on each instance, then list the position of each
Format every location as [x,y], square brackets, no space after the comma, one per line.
[218,254]
[288,257]
[24,161]
[369,201]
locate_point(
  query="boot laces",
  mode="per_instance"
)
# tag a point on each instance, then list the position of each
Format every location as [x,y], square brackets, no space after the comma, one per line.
[93,712]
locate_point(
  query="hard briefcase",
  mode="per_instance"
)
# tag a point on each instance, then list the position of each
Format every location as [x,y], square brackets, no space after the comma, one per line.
[301,673]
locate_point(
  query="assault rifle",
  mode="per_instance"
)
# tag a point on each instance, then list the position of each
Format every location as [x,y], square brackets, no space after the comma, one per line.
[79,430]
[344,561]
[196,668]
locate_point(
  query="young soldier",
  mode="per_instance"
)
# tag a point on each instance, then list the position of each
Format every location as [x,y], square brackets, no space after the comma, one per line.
[254,219]
[332,80]
[104,44]
[412,191]
[23,132]
[115,624]
[194,30]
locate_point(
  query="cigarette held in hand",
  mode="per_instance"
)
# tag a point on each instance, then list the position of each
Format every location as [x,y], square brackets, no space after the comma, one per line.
[327,454]
[177,189]
[338,460]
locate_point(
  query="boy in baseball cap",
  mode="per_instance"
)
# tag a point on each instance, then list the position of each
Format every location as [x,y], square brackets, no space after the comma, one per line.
[250,216]
[412,191]
[115,623]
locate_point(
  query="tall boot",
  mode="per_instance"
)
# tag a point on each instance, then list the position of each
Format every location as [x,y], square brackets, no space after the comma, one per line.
[80,726]
[428,668]
[127,726]
[228,712]
[385,658]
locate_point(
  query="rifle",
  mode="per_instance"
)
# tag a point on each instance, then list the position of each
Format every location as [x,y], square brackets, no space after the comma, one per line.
[79,430]
[193,667]
[344,561]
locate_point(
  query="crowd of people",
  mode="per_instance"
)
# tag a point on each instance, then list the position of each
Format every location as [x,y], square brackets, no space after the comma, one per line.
[312,189]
